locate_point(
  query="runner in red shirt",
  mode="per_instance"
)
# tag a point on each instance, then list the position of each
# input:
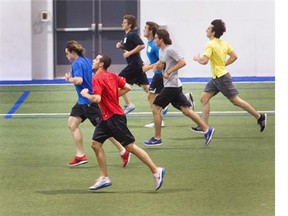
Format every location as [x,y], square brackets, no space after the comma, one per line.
[107,88]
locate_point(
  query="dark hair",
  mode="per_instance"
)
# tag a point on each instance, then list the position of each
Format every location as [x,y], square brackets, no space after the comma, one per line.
[76,47]
[153,27]
[106,60]
[218,27]
[131,20]
[164,34]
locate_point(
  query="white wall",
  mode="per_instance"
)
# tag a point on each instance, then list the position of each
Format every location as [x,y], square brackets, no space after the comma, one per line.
[42,40]
[26,42]
[15,41]
[249,29]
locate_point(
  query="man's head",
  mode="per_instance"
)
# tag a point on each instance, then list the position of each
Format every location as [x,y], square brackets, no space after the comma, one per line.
[101,61]
[162,36]
[129,22]
[74,49]
[150,29]
[216,29]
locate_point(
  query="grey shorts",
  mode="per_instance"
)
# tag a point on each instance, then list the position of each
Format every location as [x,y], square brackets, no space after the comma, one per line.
[222,84]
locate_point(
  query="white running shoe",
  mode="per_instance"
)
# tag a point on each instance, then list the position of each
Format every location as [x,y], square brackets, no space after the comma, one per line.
[151,125]
[101,182]
[128,109]
[190,98]
[159,177]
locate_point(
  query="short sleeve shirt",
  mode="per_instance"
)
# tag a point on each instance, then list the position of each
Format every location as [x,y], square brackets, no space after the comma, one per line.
[216,50]
[106,85]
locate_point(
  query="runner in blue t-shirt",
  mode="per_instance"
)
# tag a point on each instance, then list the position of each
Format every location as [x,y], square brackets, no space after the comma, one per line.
[81,76]
[152,52]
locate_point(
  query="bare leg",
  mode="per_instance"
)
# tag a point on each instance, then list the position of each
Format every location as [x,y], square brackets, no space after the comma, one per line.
[73,124]
[157,120]
[117,144]
[142,155]
[126,100]
[205,98]
[101,158]
[237,101]
[194,117]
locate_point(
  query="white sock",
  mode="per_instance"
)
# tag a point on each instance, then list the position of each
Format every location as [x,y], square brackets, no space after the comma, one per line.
[122,151]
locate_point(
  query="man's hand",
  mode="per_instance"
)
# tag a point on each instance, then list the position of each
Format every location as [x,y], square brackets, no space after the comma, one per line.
[85,92]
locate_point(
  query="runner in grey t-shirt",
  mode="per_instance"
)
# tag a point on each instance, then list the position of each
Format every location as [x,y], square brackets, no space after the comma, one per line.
[170,61]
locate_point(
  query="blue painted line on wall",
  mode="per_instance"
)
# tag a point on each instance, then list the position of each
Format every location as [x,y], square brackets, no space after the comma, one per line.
[183,79]
[16,106]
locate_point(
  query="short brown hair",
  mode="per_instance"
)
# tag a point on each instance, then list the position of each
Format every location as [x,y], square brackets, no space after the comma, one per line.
[131,20]
[164,34]
[152,26]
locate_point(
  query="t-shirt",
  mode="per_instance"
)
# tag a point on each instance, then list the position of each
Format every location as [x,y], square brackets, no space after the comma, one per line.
[170,56]
[82,67]
[152,52]
[216,50]
[131,40]
[106,85]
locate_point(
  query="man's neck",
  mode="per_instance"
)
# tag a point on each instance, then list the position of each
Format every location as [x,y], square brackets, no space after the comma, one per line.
[128,30]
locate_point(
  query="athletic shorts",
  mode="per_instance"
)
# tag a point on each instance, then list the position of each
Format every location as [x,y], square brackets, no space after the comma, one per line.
[157,84]
[171,95]
[90,111]
[222,84]
[116,127]
[134,75]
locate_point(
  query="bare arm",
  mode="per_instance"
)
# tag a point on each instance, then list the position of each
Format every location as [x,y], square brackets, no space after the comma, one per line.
[201,59]
[231,59]
[181,63]
[124,90]
[137,49]
[74,80]
[93,98]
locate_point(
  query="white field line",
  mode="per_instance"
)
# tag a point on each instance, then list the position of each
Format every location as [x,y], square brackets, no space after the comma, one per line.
[137,113]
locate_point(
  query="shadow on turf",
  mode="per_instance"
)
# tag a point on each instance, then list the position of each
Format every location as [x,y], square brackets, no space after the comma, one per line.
[83,191]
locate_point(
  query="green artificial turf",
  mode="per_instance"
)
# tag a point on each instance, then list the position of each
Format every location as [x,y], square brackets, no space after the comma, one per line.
[234,176]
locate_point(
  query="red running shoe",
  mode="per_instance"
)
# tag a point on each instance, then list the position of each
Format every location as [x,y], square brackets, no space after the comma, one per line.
[78,161]
[125,158]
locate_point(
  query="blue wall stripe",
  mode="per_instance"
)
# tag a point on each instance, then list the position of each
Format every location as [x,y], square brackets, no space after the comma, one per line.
[18,103]
[183,79]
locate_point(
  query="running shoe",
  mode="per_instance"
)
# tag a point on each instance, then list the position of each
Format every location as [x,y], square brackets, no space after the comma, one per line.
[262,121]
[153,142]
[159,177]
[190,98]
[128,109]
[151,125]
[208,135]
[78,161]
[101,182]
[125,158]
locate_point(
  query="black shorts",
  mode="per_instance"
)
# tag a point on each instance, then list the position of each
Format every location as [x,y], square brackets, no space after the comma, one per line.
[157,84]
[90,111]
[116,127]
[222,84]
[134,75]
[171,95]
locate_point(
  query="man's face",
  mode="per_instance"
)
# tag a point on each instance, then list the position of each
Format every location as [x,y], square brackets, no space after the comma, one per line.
[146,31]
[69,55]
[209,32]
[125,25]
[158,41]
[96,63]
